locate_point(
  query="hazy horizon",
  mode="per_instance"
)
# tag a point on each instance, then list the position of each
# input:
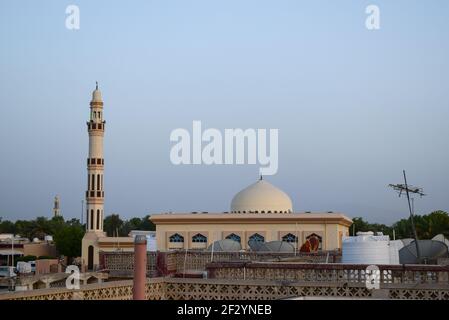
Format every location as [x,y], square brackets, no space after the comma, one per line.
[353,107]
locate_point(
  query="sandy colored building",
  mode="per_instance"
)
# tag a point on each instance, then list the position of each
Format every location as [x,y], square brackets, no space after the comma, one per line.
[260,212]
[95,239]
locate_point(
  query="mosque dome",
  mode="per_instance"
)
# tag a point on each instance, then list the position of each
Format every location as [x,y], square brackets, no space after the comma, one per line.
[261,197]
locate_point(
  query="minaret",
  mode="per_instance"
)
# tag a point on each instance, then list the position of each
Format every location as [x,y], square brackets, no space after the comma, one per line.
[56,211]
[95,164]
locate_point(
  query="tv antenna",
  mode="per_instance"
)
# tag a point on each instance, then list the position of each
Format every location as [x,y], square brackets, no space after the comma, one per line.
[407,189]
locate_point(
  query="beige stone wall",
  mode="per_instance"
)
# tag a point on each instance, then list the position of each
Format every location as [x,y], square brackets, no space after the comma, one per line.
[40,249]
[271,232]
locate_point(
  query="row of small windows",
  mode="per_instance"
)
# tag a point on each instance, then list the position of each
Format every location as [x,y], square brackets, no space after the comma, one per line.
[95,114]
[263,211]
[90,219]
[199,238]
[94,126]
[94,194]
[95,161]
[257,238]
[234,237]
[91,181]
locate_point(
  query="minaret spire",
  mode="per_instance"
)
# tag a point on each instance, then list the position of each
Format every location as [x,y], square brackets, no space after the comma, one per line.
[95,165]
[56,210]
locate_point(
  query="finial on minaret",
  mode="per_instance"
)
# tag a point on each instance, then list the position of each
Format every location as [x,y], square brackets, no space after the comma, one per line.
[96,83]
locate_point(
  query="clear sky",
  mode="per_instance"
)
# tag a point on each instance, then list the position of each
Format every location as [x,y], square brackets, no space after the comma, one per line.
[353,107]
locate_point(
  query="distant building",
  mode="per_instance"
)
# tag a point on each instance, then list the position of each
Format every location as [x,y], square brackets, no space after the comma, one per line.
[56,210]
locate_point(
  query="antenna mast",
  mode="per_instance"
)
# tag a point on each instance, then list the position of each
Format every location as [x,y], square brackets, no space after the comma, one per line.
[410,189]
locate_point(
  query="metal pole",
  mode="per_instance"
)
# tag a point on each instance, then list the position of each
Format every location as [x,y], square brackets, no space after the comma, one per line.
[418,253]
[12,247]
[297,240]
[82,211]
[140,267]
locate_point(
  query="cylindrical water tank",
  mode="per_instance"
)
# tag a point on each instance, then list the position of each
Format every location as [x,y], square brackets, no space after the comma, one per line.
[49,238]
[366,248]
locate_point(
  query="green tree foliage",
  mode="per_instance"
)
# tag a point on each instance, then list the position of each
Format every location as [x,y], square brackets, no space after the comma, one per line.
[427,226]
[147,224]
[7,227]
[115,226]
[68,239]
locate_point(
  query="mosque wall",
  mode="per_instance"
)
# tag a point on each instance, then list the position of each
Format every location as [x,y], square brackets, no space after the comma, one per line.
[328,233]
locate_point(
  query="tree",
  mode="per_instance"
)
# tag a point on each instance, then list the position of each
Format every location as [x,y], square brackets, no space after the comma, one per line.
[147,224]
[7,227]
[24,228]
[113,225]
[131,224]
[68,240]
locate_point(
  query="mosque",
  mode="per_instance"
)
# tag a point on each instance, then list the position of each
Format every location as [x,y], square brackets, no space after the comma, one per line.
[260,212]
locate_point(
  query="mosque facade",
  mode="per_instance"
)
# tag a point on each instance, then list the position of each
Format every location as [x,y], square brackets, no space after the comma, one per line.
[260,212]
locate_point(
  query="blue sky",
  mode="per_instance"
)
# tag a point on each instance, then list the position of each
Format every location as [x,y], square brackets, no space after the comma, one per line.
[353,107]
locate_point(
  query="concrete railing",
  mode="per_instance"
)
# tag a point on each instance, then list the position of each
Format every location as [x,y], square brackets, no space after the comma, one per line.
[221,289]
[121,264]
[332,272]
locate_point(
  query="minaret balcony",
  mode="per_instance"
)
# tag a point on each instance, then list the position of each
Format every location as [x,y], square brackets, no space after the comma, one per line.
[90,194]
[96,103]
[94,126]
[95,161]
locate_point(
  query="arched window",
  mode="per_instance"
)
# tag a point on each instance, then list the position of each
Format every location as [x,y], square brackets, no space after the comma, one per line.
[257,237]
[98,182]
[90,258]
[91,218]
[234,237]
[98,218]
[289,238]
[176,238]
[315,237]
[199,238]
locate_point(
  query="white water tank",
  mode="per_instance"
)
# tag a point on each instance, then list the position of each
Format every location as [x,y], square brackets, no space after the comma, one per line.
[366,248]
[395,246]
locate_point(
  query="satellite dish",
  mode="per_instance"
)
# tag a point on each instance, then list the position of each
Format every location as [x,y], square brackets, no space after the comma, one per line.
[430,251]
[407,241]
[272,246]
[280,246]
[442,238]
[257,246]
[226,245]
